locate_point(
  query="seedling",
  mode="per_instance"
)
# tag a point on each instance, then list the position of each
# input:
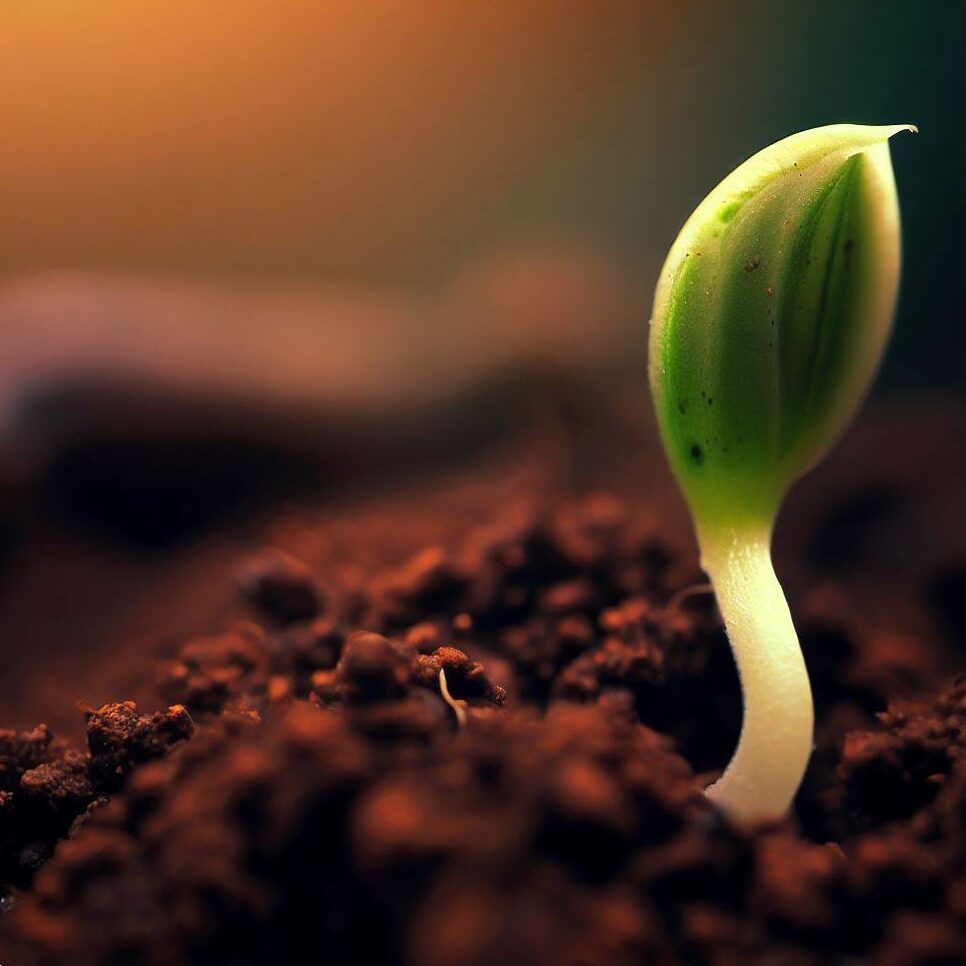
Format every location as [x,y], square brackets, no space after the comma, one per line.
[457,704]
[770,319]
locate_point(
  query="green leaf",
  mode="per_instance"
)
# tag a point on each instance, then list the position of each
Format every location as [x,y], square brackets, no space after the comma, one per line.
[771,315]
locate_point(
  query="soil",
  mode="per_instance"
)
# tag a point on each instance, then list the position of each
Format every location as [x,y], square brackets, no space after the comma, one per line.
[471,723]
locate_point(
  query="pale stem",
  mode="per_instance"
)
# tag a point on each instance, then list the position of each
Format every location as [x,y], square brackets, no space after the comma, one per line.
[776,733]
[457,704]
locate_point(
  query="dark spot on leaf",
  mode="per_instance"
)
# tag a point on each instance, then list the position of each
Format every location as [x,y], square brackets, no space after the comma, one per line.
[697,454]
[753,263]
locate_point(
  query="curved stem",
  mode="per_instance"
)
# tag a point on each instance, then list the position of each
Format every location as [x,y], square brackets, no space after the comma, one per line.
[776,733]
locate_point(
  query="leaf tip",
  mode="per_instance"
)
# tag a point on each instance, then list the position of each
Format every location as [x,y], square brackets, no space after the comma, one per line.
[895,129]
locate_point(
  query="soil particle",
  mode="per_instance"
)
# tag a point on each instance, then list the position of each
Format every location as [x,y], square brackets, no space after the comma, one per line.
[48,789]
[281,587]
[372,668]
[120,738]
[212,673]
[895,772]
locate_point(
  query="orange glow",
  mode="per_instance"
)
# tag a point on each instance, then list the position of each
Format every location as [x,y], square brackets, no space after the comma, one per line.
[294,137]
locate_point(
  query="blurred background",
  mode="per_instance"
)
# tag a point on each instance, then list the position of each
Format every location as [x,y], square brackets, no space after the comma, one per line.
[286,163]
[250,246]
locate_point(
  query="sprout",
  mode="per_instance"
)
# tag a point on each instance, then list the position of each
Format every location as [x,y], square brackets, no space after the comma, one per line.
[770,318]
[457,704]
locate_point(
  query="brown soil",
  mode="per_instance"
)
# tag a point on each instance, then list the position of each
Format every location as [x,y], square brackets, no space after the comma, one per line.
[306,794]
